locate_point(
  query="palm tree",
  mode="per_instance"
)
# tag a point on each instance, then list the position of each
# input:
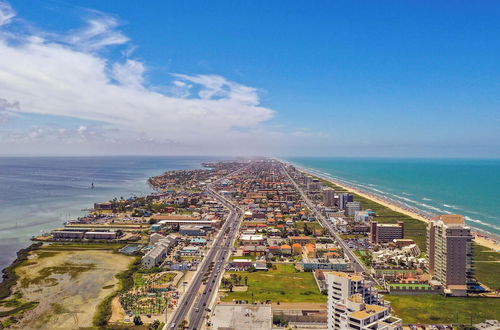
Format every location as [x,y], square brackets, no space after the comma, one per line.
[246,280]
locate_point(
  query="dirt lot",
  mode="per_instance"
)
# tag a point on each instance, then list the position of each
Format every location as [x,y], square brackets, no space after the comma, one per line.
[68,286]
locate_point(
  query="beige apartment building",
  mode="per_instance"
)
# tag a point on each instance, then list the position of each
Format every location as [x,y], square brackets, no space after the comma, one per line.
[449,244]
[354,304]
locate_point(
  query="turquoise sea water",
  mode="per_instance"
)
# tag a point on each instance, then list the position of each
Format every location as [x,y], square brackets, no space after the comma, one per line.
[38,194]
[464,186]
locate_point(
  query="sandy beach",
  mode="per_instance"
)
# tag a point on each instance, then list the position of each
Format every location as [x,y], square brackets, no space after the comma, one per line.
[480,238]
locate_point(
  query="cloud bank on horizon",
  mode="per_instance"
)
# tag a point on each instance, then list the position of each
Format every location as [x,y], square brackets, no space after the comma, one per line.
[69,75]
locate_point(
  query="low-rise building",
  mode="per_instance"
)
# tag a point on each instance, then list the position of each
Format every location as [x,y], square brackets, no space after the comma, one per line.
[190,250]
[302,240]
[191,230]
[351,208]
[240,264]
[66,234]
[256,239]
[310,250]
[103,235]
[155,256]
[337,264]
[286,249]
[386,232]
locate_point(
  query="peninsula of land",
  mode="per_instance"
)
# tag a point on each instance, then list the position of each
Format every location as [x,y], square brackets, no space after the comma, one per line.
[255,235]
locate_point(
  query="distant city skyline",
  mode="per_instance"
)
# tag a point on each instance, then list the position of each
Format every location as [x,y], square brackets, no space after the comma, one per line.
[370,79]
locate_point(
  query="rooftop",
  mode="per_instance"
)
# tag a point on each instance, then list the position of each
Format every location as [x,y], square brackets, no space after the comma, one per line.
[369,310]
[352,277]
[449,219]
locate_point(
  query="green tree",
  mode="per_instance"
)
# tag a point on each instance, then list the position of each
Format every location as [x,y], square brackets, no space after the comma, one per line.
[155,325]
[137,320]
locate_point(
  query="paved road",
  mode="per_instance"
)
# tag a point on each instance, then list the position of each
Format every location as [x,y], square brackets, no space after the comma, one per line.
[193,303]
[222,254]
[357,264]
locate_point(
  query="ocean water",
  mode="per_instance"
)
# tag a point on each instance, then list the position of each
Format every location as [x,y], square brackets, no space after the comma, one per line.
[38,194]
[456,186]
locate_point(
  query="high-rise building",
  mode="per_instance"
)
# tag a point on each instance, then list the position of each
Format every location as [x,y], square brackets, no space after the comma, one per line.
[314,185]
[449,245]
[354,304]
[386,232]
[351,208]
[329,197]
[344,199]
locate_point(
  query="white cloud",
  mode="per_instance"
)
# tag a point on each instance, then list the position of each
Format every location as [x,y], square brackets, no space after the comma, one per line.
[7,109]
[99,32]
[129,73]
[67,76]
[6,13]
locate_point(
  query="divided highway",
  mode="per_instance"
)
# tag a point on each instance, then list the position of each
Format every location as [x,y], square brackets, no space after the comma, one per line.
[357,264]
[194,304]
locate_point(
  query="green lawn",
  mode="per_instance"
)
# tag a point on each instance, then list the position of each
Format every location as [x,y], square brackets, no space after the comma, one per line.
[283,284]
[487,266]
[487,272]
[139,280]
[364,256]
[432,309]
[242,257]
[482,253]
[311,225]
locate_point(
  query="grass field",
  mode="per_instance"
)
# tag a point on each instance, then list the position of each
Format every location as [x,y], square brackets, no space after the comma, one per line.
[242,257]
[283,284]
[487,266]
[433,309]
[311,225]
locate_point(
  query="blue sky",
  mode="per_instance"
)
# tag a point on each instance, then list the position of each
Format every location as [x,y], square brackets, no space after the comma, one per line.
[337,78]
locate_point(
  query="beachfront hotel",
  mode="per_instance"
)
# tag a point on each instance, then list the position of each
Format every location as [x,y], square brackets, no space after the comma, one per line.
[354,304]
[449,244]
[386,232]
[329,197]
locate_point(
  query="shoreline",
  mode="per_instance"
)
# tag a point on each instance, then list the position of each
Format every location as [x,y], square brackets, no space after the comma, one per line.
[481,237]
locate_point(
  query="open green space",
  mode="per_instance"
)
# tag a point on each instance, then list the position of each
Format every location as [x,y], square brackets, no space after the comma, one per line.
[253,258]
[283,284]
[364,256]
[311,225]
[488,272]
[139,280]
[483,253]
[434,309]
[487,266]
